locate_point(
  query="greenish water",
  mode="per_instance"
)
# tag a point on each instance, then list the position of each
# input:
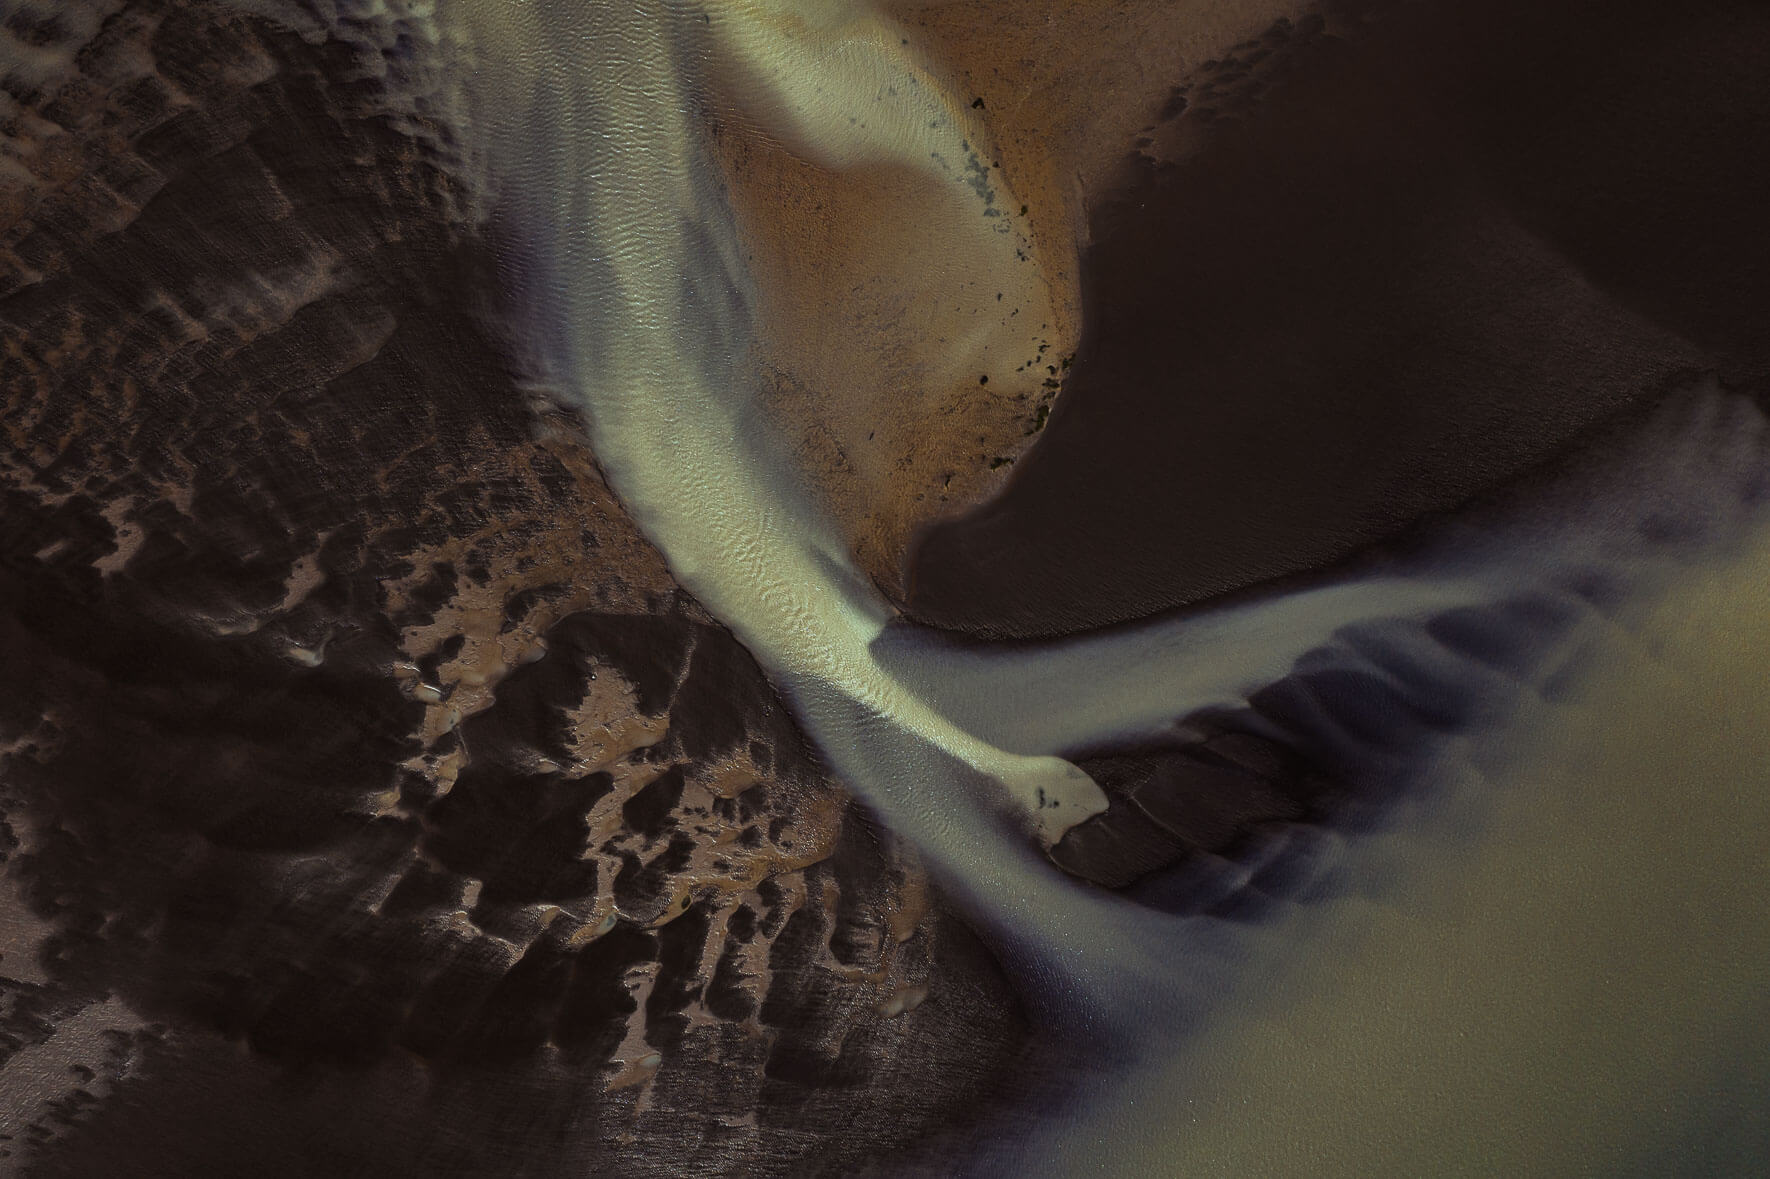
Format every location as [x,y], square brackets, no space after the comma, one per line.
[1561,971]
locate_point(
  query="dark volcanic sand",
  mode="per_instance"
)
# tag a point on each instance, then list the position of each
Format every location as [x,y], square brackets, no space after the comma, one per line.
[371,799]
[1403,257]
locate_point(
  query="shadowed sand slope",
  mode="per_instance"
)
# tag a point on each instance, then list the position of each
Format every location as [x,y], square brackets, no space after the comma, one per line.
[1361,267]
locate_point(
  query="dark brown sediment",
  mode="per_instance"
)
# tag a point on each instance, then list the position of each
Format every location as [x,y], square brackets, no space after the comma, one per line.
[1366,268]
[373,797]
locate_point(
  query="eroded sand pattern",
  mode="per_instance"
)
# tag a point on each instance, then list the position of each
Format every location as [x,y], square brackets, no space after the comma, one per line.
[464,717]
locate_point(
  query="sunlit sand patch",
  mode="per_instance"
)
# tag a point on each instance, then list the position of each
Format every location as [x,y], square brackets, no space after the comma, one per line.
[910,319]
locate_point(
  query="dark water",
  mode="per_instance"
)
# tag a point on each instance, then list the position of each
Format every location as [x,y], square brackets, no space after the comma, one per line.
[1413,254]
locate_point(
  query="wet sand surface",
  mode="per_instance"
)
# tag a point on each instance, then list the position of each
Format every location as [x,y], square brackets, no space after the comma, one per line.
[1368,267]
